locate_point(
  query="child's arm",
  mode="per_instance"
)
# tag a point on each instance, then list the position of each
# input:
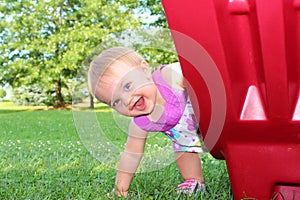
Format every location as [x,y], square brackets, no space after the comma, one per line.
[130,158]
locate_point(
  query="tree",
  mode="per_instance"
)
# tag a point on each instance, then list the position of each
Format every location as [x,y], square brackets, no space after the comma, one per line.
[155,8]
[2,93]
[45,42]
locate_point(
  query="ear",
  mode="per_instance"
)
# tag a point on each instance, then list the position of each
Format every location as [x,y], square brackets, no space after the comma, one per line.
[144,63]
[146,68]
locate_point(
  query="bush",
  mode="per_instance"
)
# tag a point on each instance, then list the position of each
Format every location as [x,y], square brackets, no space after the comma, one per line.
[32,95]
[2,93]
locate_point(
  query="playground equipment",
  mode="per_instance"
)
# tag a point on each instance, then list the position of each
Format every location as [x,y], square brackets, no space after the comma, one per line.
[241,59]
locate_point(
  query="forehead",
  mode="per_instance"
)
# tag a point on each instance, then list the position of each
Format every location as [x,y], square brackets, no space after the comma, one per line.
[113,78]
[120,69]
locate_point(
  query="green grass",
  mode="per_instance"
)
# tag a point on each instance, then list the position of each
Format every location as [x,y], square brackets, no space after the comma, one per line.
[42,156]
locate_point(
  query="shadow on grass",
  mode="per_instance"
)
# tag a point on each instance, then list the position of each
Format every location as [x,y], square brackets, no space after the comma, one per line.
[16,110]
[8,111]
[98,108]
[7,107]
[10,107]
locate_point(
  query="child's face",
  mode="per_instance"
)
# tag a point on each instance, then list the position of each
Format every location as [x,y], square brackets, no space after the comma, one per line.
[129,90]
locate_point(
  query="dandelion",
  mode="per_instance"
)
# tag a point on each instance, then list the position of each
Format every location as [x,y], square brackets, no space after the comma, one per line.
[41,144]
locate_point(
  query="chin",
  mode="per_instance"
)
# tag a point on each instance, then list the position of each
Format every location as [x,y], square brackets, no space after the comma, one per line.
[138,113]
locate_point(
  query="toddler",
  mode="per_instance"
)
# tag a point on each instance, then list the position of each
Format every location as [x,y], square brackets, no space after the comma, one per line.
[157,102]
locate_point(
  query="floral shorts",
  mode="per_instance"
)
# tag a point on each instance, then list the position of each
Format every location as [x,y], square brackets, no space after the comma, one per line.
[185,135]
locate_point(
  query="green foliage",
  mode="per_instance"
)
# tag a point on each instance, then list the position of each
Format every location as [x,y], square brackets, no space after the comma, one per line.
[45,42]
[154,44]
[2,93]
[155,8]
[35,95]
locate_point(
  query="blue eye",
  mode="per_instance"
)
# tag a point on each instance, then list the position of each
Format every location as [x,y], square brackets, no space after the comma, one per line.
[127,86]
[116,102]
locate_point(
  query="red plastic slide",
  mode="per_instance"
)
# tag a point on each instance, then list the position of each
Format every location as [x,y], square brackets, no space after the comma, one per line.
[241,59]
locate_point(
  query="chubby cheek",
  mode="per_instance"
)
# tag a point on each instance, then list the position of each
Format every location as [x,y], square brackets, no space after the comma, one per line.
[104,94]
[123,111]
[131,113]
[150,93]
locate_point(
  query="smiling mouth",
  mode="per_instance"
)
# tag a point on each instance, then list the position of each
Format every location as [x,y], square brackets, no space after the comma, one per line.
[139,104]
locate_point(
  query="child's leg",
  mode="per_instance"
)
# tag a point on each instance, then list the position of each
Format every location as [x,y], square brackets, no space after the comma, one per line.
[189,165]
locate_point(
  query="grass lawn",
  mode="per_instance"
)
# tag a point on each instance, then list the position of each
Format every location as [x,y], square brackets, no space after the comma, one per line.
[43,156]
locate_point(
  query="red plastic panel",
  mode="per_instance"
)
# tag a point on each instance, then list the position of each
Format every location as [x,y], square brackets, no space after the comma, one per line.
[255,168]
[241,59]
[283,192]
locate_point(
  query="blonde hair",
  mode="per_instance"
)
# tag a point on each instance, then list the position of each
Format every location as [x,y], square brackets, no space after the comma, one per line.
[102,62]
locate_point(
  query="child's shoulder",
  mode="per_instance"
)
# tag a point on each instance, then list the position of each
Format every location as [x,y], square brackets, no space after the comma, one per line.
[172,74]
[171,68]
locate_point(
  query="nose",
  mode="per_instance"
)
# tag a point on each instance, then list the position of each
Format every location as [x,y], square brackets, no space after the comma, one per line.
[126,97]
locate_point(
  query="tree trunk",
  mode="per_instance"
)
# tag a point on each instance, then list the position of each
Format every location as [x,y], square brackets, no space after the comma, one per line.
[59,101]
[92,102]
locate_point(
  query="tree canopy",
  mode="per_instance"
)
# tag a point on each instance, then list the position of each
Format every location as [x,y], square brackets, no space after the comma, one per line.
[2,93]
[44,42]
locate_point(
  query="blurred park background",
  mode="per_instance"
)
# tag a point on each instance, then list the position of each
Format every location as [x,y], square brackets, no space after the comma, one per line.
[45,43]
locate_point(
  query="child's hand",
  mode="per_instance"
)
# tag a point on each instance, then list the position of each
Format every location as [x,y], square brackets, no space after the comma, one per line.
[121,193]
[115,192]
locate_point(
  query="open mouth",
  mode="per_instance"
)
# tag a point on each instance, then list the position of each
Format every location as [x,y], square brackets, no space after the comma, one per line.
[139,104]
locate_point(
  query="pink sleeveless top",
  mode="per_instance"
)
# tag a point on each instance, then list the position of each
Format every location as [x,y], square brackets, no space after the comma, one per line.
[174,106]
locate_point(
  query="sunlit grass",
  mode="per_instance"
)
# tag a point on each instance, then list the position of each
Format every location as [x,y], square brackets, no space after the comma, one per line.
[43,157]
